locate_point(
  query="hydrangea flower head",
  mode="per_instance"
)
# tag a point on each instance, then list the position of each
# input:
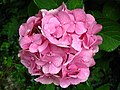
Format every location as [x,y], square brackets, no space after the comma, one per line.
[58,45]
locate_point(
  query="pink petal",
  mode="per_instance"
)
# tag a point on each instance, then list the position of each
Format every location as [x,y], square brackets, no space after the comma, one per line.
[90,40]
[52,40]
[56,79]
[76,43]
[43,46]
[65,27]
[44,79]
[53,69]
[63,7]
[46,18]
[95,49]
[71,16]
[40,63]
[80,28]
[64,83]
[56,50]
[27,58]
[57,61]
[26,63]
[45,68]
[25,42]
[79,14]
[54,11]
[71,28]
[96,28]
[99,40]
[73,67]
[37,38]
[84,74]
[59,32]
[49,28]
[54,21]
[47,50]
[90,19]
[33,48]
[22,30]
[92,62]
[65,40]
[70,59]
[31,19]
[86,53]
[63,17]
[75,81]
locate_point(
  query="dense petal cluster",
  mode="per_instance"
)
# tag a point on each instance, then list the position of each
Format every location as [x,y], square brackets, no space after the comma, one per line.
[58,45]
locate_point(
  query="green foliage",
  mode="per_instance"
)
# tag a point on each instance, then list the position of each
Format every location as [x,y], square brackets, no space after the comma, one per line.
[109,17]
[46,4]
[84,87]
[51,4]
[110,34]
[72,4]
[104,87]
[111,11]
[32,9]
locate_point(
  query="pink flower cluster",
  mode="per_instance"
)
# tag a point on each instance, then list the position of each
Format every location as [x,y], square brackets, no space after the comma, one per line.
[58,45]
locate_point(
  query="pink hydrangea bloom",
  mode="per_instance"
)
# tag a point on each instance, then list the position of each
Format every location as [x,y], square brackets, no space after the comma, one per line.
[65,28]
[28,60]
[29,27]
[71,74]
[58,45]
[48,79]
[34,43]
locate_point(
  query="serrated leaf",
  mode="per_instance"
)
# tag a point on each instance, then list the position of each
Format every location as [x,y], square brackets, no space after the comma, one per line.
[110,34]
[111,10]
[46,4]
[73,4]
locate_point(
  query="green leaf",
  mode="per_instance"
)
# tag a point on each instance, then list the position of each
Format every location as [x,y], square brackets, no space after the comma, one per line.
[41,87]
[110,34]
[111,10]
[47,87]
[83,87]
[73,4]
[59,2]
[50,87]
[97,74]
[104,87]
[97,14]
[32,9]
[46,4]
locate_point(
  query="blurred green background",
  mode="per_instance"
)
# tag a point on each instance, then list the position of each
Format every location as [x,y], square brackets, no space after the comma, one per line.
[105,75]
